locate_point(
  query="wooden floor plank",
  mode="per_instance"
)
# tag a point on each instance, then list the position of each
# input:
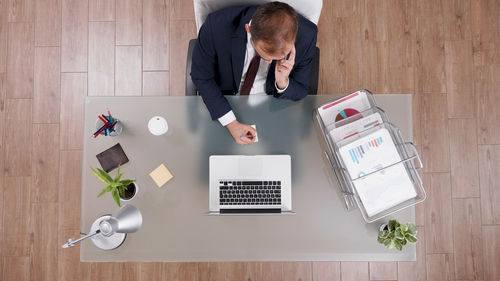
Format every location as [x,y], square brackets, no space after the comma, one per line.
[401,36]
[48,22]
[485,26]
[70,175]
[457,19]
[272,271]
[16,269]
[16,215]
[182,10]
[155,83]
[150,271]
[326,271]
[435,138]
[489,165]
[345,8]
[2,182]
[182,31]
[491,244]
[297,271]
[73,93]
[44,246]
[4,33]
[415,271]
[463,158]
[383,270]
[467,239]
[430,59]
[324,42]
[459,79]
[20,60]
[128,77]
[438,214]
[242,271]
[17,137]
[21,10]
[45,175]
[180,271]
[101,59]
[440,267]
[486,85]
[47,85]
[109,271]
[354,271]
[74,35]
[211,271]
[3,116]
[129,22]
[374,51]
[102,10]
[130,271]
[155,41]
[344,72]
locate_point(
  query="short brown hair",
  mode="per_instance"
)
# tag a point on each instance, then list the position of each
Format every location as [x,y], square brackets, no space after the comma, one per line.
[275,24]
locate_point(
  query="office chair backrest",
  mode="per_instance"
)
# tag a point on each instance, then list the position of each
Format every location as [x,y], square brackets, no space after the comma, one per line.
[310,9]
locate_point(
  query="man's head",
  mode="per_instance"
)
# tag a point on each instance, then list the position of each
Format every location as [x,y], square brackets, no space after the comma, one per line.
[273,30]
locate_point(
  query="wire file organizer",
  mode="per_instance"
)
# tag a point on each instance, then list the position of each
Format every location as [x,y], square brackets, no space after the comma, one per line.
[353,136]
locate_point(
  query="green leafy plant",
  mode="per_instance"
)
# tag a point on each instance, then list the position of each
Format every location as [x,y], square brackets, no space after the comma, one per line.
[116,186]
[397,235]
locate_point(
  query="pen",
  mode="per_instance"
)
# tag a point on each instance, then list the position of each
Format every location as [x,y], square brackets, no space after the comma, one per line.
[250,136]
[100,130]
[113,125]
[102,119]
[110,117]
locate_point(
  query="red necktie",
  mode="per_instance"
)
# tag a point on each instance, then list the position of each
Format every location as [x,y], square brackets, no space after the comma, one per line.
[250,76]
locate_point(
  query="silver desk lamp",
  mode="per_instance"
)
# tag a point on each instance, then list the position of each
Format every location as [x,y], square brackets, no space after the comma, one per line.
[109,232]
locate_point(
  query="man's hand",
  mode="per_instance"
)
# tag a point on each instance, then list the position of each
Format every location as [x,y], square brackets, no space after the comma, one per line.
[242,133]
[283,69]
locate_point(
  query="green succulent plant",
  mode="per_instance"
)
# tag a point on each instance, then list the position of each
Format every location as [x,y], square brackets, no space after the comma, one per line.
[397,235]
[116,186]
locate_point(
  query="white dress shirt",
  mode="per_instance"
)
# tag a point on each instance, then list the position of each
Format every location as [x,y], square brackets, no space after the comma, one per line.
[259,84]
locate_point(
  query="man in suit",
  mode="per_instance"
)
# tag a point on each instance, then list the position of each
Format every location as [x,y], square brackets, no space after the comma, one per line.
[265,49]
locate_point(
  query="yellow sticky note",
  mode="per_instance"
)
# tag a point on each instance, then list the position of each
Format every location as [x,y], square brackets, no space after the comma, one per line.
[161,175]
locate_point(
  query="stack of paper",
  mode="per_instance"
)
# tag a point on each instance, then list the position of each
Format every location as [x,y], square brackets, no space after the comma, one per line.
[385,188]
[355,115]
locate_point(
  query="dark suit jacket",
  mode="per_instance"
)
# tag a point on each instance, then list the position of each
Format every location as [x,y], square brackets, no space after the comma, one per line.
[219,55]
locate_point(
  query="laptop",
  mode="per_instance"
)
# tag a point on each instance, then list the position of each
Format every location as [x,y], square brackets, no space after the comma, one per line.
[260,184]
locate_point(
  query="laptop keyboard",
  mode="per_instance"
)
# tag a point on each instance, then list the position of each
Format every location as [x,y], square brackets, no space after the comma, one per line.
[250,192]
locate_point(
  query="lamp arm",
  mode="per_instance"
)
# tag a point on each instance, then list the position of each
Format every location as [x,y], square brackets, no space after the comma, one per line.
[72,242]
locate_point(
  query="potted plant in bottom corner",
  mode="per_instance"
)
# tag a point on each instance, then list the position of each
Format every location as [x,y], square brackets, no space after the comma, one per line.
[124,189]
[394,234]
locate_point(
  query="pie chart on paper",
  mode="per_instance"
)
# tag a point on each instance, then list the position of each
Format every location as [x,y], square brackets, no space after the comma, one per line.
[344,114]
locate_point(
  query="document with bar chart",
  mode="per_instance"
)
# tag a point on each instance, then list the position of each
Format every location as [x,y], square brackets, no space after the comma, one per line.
[386,188]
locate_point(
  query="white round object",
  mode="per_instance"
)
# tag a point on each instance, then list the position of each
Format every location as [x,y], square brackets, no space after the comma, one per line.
[158,126]
[106,243]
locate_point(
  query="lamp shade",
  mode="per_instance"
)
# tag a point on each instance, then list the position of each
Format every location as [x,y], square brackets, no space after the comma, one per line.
[128,219]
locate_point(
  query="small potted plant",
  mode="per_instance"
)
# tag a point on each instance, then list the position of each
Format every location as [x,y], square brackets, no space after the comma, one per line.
[124,189]
[394,234]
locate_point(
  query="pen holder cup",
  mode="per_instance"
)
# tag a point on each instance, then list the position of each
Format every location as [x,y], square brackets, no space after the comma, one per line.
[118,127]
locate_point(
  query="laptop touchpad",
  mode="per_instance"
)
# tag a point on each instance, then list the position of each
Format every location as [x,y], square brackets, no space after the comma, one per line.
[250,167]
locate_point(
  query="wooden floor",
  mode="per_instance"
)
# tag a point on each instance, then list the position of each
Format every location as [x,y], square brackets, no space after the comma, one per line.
[55,52]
